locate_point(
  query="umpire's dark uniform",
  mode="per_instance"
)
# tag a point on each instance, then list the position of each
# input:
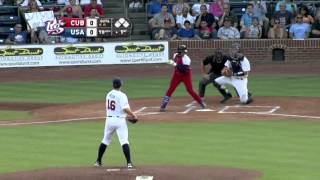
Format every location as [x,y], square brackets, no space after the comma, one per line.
[216,62]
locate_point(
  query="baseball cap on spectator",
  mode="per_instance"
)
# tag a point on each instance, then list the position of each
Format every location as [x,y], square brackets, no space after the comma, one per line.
[187,21]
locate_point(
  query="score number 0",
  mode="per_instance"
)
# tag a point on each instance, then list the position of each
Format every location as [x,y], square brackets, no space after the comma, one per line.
[91,24]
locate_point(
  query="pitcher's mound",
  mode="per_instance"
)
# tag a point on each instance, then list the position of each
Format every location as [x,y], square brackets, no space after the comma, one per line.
[158,173]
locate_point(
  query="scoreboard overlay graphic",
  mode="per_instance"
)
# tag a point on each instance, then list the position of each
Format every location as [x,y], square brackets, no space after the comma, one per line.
[89,27]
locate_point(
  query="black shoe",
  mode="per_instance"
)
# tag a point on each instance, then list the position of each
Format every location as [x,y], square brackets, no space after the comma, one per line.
[249,95]
[226,98]
[250,100]
[98,164]
[129,166]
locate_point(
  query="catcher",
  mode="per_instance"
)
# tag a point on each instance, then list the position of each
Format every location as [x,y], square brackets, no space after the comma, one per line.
[235,73]
[216,62]
[118,108]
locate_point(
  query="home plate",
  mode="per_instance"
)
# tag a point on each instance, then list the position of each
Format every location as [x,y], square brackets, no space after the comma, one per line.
[205,110]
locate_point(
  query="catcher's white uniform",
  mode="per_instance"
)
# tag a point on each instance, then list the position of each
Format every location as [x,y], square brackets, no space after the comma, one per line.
[239,82]
[116,102]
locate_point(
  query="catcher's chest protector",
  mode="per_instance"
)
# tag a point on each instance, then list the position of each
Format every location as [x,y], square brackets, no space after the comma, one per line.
[236,66]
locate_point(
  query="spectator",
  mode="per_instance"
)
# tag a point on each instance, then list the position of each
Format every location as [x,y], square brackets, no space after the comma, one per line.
[217,8]
[246,20]
[86,2]
[33,7]
[135,5]
[18,36]
[73,10]
[167,33]
[93,6]
[285,17]
[196,8]
[315,30]
[157,22]
[186,33]
[206,32]
[227,31]
[255,30]
[66,2]
[299,30]
[205,16]
[154,8]
[271,9]
[25,4]
[289,6]
[260,11]
[307,18]
[229,14]
[177,9]
[183,17]
[277,31]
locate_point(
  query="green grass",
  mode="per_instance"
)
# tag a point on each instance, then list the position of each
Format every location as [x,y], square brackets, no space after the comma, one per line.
[283,150]
[95,90]
[15,115]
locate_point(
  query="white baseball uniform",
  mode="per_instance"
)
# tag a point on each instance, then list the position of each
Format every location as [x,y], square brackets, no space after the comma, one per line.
[239,82]
[116,102]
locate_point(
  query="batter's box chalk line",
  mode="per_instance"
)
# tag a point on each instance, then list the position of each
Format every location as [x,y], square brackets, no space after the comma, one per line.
[231,109]
[144,177]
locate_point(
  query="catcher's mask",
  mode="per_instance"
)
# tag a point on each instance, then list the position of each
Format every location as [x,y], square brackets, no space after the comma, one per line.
[235,49]
[117,83]
[182,49]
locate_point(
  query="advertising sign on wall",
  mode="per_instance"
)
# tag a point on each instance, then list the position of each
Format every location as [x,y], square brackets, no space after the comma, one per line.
[84,54]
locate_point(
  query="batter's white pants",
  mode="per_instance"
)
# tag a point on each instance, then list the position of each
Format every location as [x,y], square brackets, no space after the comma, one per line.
[239,83]
[115,124]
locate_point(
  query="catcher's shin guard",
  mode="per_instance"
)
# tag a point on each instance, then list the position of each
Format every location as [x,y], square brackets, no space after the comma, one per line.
[223,91]
[164,103]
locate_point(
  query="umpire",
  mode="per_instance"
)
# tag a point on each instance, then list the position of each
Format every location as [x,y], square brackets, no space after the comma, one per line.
[216,62]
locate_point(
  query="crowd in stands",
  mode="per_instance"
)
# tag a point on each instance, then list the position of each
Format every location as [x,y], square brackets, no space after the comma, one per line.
[62,9]
[215,20]
[182,20]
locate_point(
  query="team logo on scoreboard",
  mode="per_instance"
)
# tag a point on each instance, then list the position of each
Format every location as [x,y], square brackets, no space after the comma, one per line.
[78,50]
[139,48]
[55,27]
[21,52]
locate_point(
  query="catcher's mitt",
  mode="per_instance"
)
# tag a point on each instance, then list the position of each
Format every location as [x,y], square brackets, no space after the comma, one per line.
[226,72]
[132,120]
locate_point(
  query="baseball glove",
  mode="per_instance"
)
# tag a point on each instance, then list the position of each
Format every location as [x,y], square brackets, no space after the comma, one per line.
[132,120]
[226,72]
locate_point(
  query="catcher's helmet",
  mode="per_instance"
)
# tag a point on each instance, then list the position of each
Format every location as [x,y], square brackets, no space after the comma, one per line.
[182,49]
[116,83]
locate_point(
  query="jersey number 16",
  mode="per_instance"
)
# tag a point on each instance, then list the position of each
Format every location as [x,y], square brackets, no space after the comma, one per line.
[111,105]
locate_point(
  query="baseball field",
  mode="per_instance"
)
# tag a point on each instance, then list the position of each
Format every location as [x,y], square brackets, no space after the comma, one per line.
[52,121]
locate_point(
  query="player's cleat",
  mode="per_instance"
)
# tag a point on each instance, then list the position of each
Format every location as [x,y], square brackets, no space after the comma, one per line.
[250,100]
[129,166]
[97,164]
[164,103]
[226,98]
[203,105]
